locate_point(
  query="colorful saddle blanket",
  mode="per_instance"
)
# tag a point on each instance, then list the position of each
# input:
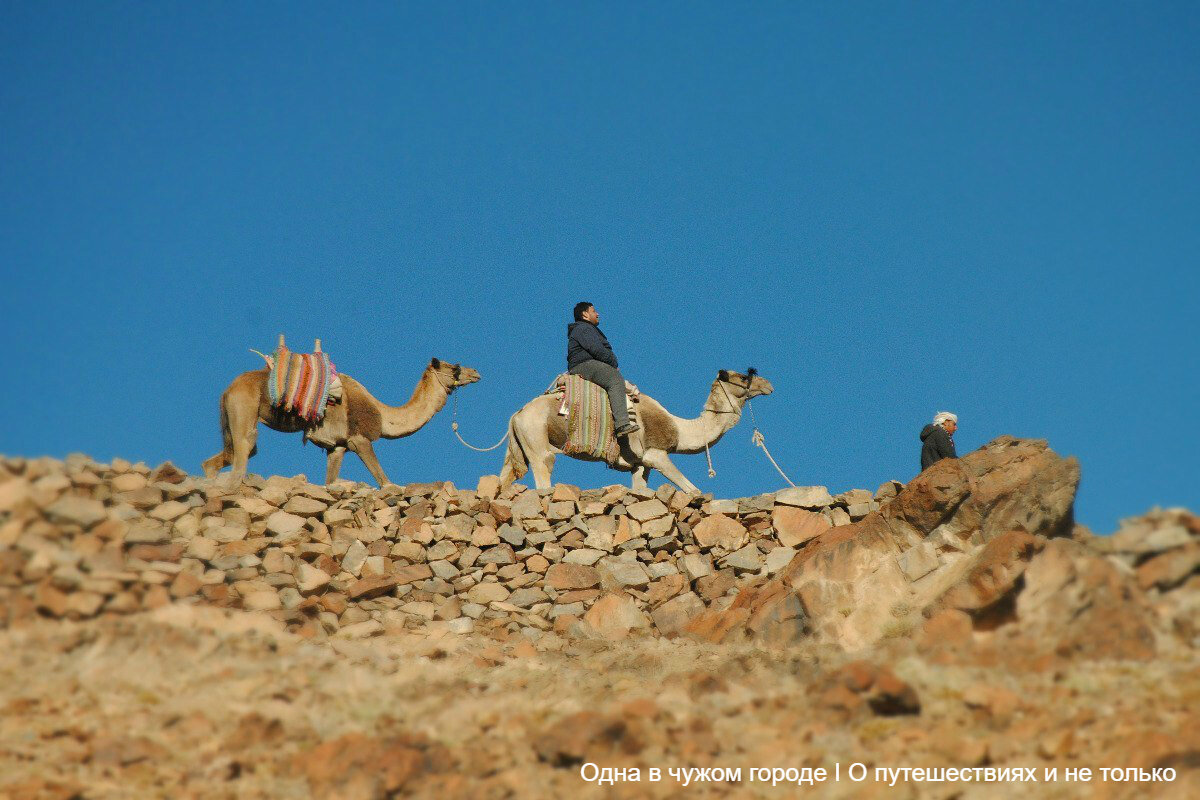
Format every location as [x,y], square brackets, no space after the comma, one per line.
[301,382]
[589,418]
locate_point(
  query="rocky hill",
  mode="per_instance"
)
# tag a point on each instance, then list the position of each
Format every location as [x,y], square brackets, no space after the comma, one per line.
[423,639]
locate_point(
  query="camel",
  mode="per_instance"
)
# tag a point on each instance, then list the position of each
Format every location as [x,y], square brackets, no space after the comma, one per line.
[537,433]
[354,423]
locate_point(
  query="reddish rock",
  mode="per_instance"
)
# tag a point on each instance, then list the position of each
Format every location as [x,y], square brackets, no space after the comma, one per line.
[672,616]
[795,526]
[990,575]
[586,737]
[360,767]
[718,530]
[1169,569]
[572,576]
[615,615]
[185,585]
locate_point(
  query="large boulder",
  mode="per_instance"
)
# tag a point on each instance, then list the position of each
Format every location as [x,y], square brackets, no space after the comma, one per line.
[958,537]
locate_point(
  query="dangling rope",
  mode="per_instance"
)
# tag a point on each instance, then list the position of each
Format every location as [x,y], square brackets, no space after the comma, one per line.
[757,438]
[712,473]
[454,427]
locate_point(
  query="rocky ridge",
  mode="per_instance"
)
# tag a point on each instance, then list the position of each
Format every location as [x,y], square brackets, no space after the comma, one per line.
[165,635]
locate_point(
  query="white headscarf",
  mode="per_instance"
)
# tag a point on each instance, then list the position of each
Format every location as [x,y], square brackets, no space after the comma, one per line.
[944,416]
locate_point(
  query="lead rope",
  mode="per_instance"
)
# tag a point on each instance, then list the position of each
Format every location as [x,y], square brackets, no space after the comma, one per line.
[454,427]
[758,439]
[712,473]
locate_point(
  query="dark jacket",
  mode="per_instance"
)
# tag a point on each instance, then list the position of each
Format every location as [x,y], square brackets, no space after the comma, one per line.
[586,342]
[937,445]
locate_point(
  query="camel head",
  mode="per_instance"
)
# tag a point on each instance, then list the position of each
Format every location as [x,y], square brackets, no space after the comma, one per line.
[452,376]
[749,385]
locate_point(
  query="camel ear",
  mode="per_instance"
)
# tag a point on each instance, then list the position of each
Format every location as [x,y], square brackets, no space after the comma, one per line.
[435,362]
[723,375]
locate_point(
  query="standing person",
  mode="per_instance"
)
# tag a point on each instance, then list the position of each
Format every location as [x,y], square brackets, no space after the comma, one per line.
[590,356]
[938,439]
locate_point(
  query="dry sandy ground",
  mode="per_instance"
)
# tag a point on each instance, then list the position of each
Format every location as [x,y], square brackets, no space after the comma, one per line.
[196,702]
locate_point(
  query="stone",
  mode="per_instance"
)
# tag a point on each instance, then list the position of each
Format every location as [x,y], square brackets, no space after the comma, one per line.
[500,554]
[484,536]
[584,556]
[281,523]
[647,510]
[616,573]
[373,586]
[672,616]
[696,565]
[354,558]
[614,615]
[719,530]
[485,593]
[566,576]
[779,558]
[265,600]
[524,598]
[147,533]
[747,559]
[512,534]
[201,547]
[309,579]
[304,506]
[165,512]
[918,561]
[805,497]
[81,511]
[488,487]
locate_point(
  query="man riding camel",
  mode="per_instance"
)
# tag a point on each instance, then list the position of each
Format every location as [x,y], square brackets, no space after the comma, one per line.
[590,356]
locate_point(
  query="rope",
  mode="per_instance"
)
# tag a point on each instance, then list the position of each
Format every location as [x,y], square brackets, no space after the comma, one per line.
[758,439]
[712,473]
[454,427]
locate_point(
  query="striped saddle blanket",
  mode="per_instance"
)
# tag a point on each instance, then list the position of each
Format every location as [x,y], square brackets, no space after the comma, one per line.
[301,383]
[589,418]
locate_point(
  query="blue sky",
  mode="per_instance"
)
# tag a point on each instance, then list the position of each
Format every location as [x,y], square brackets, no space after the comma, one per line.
[887,208]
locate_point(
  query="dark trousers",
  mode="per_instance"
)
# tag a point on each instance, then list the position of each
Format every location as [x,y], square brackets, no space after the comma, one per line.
[610,378]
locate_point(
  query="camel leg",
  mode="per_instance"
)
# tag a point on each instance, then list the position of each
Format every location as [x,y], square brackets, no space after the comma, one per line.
[333,464]
[243,433]
[640,473]
[217,463]
[362,446]
[659,460]
[542,469]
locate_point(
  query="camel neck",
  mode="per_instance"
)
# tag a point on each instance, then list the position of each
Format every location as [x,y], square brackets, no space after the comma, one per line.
[428,398]
[721,412]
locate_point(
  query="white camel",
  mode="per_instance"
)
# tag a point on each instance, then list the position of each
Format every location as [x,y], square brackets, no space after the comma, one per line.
[538,432]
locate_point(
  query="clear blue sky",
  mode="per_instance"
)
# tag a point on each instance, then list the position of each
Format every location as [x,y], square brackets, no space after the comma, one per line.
[888,208]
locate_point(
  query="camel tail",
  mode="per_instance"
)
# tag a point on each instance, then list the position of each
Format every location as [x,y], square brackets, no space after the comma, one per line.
[226,434]
[515,462]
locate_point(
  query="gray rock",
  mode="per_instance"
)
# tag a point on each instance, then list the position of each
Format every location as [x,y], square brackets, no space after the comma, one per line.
[512,534]
[695,565]
[805,497]
[444,570]
[524,598]
[583,555]
[747,559]
[616,573]
[918,561]
[81,511]
[779,558]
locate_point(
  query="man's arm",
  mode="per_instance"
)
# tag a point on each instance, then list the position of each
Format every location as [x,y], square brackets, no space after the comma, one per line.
[597,347]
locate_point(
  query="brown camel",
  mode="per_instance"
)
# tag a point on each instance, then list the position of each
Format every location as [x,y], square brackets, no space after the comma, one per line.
[354,423]
[537,433]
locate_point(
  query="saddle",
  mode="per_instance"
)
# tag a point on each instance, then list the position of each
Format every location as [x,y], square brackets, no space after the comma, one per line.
[302,383]
[589,417]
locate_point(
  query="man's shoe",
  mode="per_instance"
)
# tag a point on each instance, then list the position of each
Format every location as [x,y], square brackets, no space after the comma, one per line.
[626,429]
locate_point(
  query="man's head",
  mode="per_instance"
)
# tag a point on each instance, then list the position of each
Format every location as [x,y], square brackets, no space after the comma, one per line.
[586,312]
[946,420]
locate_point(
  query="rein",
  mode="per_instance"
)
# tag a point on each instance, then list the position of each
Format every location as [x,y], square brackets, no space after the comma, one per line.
[454,427]
[756,437]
